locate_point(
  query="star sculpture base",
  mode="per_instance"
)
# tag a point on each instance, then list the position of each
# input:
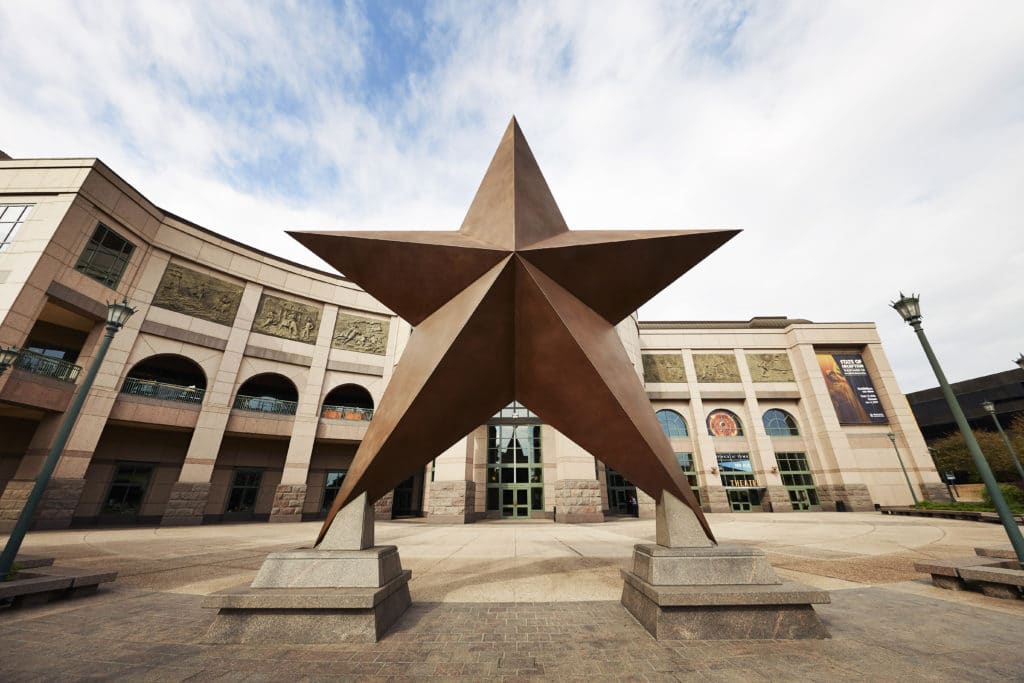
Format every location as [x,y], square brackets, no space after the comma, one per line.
[686,588]
[344,590]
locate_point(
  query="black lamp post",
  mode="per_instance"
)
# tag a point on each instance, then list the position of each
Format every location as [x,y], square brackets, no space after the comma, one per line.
[117,315]
[909,308]
[990,408]
[913,494]
[8,354]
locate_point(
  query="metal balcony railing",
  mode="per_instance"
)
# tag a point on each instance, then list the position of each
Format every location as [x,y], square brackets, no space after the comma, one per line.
[346,413]
[162,391]
[265,404]
[39,364]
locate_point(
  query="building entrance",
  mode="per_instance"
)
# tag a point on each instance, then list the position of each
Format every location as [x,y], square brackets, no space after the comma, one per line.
[515,473]
[621,494]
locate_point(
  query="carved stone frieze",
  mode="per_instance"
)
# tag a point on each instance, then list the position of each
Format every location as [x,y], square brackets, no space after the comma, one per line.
[770,367]
[199,295]
[356,333]
[663,367]
[716,367]
[287,319]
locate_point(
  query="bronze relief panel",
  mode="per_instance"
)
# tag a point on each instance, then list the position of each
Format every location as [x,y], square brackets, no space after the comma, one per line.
[716,367]
[356,333]
[770,367]
[199,295]
[663,367]
[287,319]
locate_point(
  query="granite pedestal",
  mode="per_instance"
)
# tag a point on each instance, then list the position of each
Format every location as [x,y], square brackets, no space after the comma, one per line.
[685,587]
[345,589]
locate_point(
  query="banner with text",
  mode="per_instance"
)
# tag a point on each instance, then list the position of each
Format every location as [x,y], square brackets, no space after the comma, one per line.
[850,388]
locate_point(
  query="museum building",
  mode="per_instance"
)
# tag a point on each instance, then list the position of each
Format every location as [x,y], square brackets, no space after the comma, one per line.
[244,383]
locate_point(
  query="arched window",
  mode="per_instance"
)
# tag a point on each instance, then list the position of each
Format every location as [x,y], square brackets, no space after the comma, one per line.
[268,393]
[724,423]
[348,402]
[167,377]
[672,423]
[780,423]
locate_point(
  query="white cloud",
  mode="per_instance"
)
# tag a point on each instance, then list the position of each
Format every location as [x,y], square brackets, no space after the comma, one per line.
[864,148]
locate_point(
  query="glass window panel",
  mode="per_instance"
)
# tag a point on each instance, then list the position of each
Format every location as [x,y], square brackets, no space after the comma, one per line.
[492,499]
[506,496]
[508,475]
[536,475]
[672,423]
[521,495]
[492,475]
[522,475]
[536,498]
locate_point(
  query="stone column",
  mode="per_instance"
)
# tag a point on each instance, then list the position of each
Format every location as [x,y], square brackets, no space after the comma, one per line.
[187,502]
[577,490]
[705,457]
[762,451]
[291,492]
[452,495]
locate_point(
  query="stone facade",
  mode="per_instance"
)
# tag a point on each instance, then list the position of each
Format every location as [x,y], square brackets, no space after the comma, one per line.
[777,499]
[12,501]
[853,497]
[382,507]
[57,507]
[716,500]
[288,502]
[186,504]
[935,492]
[578,500]
[451,502]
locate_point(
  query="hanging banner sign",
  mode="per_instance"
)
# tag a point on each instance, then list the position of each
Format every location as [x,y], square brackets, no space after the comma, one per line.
[850,388]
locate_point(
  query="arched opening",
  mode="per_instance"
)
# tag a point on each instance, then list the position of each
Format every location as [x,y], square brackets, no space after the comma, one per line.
[348,402]
[167,377]
[672,423]
[724,423]
[268,393]
[780,423]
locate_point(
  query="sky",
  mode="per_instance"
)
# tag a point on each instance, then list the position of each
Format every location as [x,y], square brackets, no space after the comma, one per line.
[864,148]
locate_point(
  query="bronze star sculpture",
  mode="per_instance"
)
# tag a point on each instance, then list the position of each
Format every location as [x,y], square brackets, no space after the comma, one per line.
[514,306]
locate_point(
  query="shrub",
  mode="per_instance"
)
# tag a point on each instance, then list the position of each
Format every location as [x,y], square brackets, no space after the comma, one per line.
[1013,493]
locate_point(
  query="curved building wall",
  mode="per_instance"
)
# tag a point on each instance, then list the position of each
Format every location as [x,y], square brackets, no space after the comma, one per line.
[241,348]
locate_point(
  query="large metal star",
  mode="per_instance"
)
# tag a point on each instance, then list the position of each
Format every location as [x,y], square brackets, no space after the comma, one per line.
[514,306]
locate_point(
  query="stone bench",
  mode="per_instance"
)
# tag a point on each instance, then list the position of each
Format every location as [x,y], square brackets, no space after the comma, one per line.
[959,574]
[39,582]
[996,582]
[1003,552]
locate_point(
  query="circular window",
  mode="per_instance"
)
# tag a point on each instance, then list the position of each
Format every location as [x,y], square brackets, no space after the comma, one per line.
[724,423]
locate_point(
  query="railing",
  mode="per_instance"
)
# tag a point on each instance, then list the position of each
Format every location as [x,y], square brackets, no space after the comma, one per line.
[162,391]
[265,404]
[346,413]
[39,364]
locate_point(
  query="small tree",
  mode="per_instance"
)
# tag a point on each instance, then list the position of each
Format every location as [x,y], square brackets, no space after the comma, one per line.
[951,454]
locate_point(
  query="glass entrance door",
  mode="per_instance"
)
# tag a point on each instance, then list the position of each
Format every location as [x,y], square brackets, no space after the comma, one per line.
[743,500]
[515,473]
[621,493]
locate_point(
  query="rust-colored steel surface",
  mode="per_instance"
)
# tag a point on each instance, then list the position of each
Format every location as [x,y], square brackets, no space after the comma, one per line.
[514,305]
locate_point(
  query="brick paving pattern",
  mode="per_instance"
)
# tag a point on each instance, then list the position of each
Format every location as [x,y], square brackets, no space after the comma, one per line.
[128,634]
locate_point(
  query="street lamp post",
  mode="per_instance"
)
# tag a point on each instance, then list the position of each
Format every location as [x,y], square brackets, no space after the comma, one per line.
[117,314]
[909,309]
[990,408]
[913,494]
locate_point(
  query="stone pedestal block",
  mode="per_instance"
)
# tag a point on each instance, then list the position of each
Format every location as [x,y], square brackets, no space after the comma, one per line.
[722,564]
[578,500]
[55,509]
[186,504]
[451,502]
[777,499]
[288,502]
[935,492]
[848,497]
[716,500]
[383,505]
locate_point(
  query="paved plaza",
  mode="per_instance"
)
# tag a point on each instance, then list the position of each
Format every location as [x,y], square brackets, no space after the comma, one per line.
[503,600]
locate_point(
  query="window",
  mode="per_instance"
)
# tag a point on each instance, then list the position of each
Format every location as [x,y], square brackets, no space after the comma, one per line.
[332,484]
[685,461]
[105,256]
[244,489]
[127,489]
[672,423]
[798,480]
[724,423]
[736,469]
[780,423]
[11,218]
